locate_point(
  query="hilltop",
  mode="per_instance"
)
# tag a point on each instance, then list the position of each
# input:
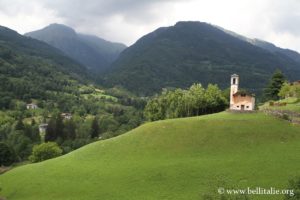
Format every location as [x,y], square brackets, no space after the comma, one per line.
[91,51]
[171,159]
[190,52]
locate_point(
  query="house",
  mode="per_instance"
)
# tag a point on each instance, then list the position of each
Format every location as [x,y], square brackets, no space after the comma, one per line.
[31,106]
[296,82]
[42,128]
[66,115]
[240,100]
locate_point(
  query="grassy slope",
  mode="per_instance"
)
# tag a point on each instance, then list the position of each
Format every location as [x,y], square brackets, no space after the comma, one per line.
[172,159]
[292,105]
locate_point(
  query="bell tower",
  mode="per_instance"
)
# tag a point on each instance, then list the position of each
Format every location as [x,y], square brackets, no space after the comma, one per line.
[233,88]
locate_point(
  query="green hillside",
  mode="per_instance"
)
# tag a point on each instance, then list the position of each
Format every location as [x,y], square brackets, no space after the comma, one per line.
[172,159]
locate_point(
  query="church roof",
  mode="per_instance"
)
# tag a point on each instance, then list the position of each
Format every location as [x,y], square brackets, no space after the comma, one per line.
[243,93]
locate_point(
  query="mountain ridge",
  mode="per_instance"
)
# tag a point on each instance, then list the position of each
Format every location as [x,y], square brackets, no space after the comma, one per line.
[190,52]
[91,51]
[295,55]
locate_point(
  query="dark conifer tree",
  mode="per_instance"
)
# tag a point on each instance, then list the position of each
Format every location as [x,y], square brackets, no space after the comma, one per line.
[70,130]
[274,86]
[51,131]
[95,130]
[59,126]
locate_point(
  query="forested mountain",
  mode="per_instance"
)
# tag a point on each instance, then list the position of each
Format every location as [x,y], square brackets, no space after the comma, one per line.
[189,52]
[31,69]
[91,51]
[40,86]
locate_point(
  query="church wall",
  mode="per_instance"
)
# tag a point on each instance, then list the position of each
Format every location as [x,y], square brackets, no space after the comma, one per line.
[247,101]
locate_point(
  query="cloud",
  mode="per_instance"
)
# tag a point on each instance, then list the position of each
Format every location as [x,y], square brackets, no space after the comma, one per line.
[127,20]
[285,16]
[26,16]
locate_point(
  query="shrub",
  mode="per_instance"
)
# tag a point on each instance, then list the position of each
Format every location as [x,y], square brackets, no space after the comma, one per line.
[285,116]
[45,151]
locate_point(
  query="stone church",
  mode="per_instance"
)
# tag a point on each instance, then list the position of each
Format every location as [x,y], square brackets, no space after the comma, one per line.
[240,100]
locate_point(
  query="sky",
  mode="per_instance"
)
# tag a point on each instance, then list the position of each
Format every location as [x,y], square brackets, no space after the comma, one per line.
[276,21]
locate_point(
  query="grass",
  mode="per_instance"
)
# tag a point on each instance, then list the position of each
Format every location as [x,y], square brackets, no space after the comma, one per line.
[173,159]
[100,95]
[292,104]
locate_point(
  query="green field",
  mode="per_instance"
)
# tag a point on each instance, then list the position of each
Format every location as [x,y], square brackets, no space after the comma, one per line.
[178,159]
[292,104]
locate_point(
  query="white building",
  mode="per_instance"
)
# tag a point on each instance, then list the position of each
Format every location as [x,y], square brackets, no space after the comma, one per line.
[42,128]
[31,106]
[67,116]
[240,100]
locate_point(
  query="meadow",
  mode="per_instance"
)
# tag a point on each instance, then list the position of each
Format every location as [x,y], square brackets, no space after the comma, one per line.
[174,159]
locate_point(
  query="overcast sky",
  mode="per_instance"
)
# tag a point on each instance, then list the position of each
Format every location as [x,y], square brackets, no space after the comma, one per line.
[277,21]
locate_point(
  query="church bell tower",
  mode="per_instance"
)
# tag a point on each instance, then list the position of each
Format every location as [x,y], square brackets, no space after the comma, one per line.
[234,87]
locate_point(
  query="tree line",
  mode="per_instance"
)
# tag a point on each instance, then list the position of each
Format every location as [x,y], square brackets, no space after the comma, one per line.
[186,102]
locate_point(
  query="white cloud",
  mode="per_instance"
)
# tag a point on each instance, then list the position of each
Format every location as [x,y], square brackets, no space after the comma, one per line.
[26,16]
[127,20]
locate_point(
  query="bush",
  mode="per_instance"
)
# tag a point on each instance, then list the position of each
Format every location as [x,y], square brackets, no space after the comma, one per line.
[285,116]
[45,151]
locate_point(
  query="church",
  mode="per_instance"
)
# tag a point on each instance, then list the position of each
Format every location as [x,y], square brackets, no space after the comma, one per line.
[240,100]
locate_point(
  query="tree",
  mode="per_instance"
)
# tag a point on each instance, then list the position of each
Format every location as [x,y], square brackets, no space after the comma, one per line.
[95,129]
[274,86]
[45,151]
[295,91]
[21,144]
[153,110]
[198,92]
[7,155]
[285,90]
[70,130]
[32,132]
[184,103]
[55,128]
[20,125]
[59,126]
[50,131]
[215,100]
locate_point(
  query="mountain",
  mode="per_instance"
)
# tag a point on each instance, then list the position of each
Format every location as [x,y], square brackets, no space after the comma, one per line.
[190,52]
[91,51]
[173,159]
[266,45]
[277,50]
[32,69]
